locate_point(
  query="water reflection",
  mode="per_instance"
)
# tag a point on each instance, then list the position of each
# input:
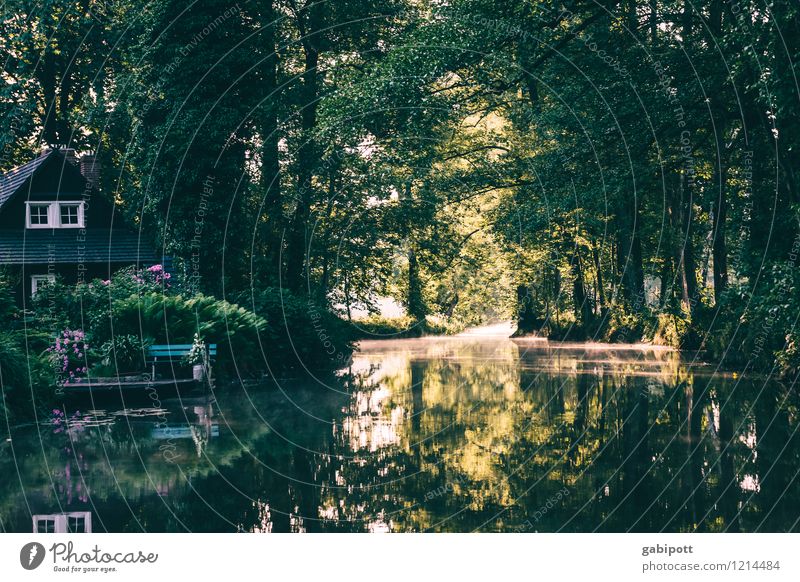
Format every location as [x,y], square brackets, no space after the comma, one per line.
[455,434]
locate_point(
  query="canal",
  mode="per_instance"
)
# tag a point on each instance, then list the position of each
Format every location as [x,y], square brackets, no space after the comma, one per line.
[473,433]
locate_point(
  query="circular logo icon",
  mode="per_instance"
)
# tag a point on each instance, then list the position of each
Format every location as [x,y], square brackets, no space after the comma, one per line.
[31,555]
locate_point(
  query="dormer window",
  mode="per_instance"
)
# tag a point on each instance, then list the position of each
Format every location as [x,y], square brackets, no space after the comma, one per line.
[55,215]
[70,214]
[38,215]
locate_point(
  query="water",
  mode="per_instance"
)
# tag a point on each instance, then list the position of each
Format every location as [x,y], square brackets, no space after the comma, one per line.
[458,434]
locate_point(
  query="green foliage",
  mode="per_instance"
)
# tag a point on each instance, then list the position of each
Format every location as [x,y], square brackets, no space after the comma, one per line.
[758,329]
[88,305]
[672,329]
[13,373]
[447,154]
[123,353]
[20,365]
[624,326]
[377,327]
[300,334]
[165,319]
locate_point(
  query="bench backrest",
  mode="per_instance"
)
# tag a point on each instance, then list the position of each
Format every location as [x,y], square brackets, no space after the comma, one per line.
[175,351]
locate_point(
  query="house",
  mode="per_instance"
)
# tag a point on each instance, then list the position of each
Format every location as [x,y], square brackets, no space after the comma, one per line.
[54,222]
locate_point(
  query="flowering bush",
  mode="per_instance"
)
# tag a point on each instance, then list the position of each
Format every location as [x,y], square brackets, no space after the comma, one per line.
[88,304]
[69,353]
[133,281]
[159,275]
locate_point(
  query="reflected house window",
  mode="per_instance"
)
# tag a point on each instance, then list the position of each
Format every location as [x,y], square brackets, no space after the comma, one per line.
[44,525]
[73,522]
[76,524]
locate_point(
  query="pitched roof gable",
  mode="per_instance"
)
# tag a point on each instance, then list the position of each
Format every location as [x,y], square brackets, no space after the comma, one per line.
[13,181]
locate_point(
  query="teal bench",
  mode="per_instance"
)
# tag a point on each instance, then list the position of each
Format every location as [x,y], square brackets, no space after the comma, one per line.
[173,353]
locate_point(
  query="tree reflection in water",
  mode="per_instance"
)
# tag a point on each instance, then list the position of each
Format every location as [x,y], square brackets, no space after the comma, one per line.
[456,434]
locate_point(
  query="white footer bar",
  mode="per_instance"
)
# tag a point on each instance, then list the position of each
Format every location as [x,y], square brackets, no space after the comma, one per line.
[401,557]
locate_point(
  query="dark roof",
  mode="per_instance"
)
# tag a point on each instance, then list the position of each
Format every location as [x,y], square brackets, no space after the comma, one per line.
[13,180]
[73,245]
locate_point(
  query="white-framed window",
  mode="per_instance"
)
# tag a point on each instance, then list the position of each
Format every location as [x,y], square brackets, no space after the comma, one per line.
[38,280]
[70,214]
[45,524]
[39,214]
[73,522]
[54,215]
[76,523]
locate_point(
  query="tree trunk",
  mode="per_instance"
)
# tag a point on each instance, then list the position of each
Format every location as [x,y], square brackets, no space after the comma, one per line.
[347,300]
[719,249]
[598,272]
[653,22]
[307,162]
[629,258]
[581,301]
[526,315]
[270,155]
[414,303]
[666,274]
[687,252]
[322,289]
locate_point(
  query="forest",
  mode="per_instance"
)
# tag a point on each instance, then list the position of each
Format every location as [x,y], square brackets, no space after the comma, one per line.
[618,171]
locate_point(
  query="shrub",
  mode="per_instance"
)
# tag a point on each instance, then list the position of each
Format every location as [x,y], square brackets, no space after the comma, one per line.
[123,316]
[378,327]
[123,353]
[789,358]
[19,368]
[624,326]
[88,305]
[757,327]
[176,319]
[300,334]
[672,329]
